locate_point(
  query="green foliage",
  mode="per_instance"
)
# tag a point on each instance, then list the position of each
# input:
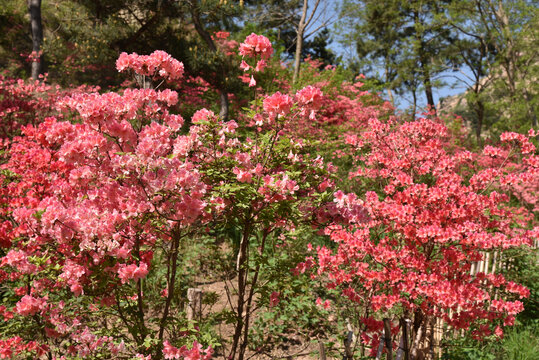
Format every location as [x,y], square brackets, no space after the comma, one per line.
[317,48]
[519,343]
[14,42]
[522,266]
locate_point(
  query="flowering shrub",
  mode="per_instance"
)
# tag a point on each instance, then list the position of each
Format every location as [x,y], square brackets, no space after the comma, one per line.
[23,103]
[88,205]
[158,63]
[426,224]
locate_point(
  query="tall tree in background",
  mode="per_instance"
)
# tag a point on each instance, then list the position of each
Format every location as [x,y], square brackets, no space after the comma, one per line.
[402,39]
[295,21]
[280,15]
[475,53]
[220,79]
[498,42]
[317,48]
[304,22]
[34,8]
[512,28]
[373,28]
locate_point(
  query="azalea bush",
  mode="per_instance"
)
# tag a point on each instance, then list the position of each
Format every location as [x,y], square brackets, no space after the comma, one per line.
[29,102]
[431,213]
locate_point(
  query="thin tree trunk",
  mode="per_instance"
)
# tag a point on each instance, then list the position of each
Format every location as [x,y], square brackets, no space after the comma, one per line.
[34,8]
[321,349]
[423,60]
[218,83]
[300,31]
[389,92]
[172,265]
[418,333]
[428,87]
[480,112]
[242,282]
[414,108]
[249,302]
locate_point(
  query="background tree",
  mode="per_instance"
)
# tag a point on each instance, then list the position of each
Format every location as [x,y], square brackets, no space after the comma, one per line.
[295,21]
[399,40]
[512,32]
[317,16]
[498,61]
[34,7]
[318,48]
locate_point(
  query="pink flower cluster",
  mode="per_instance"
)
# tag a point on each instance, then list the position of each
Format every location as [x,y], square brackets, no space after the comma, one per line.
[277,105]
[72,274]
[158,63]
[19,261]
[111,108]
[16,345]
[222,35]
[351,208]
[154,141]
[310,97]
[196,352]
[275,189]
[203,115]
[128,272]
[30,305]
[274,299]
[256,46]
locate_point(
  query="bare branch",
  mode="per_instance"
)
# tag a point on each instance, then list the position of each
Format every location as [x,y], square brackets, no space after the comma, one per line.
[312,13]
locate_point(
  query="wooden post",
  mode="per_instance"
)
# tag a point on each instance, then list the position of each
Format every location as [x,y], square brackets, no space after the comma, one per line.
[439,334]
[348,353]
[322,349]
[494,262]
[194,307]
[380,349]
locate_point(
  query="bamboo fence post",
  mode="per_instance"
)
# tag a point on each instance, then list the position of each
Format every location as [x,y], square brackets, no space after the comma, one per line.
[404,348]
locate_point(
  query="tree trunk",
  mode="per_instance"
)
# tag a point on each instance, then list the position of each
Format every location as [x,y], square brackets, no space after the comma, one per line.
[529,106]
[480,112]
[388,339]
[424,63]
[414,108]
[34,8]
[218,83]
[428,86]
[297,60]
[300,31]
[389,92]
[172,265]
[194,306]
[418,333]
[241,265]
